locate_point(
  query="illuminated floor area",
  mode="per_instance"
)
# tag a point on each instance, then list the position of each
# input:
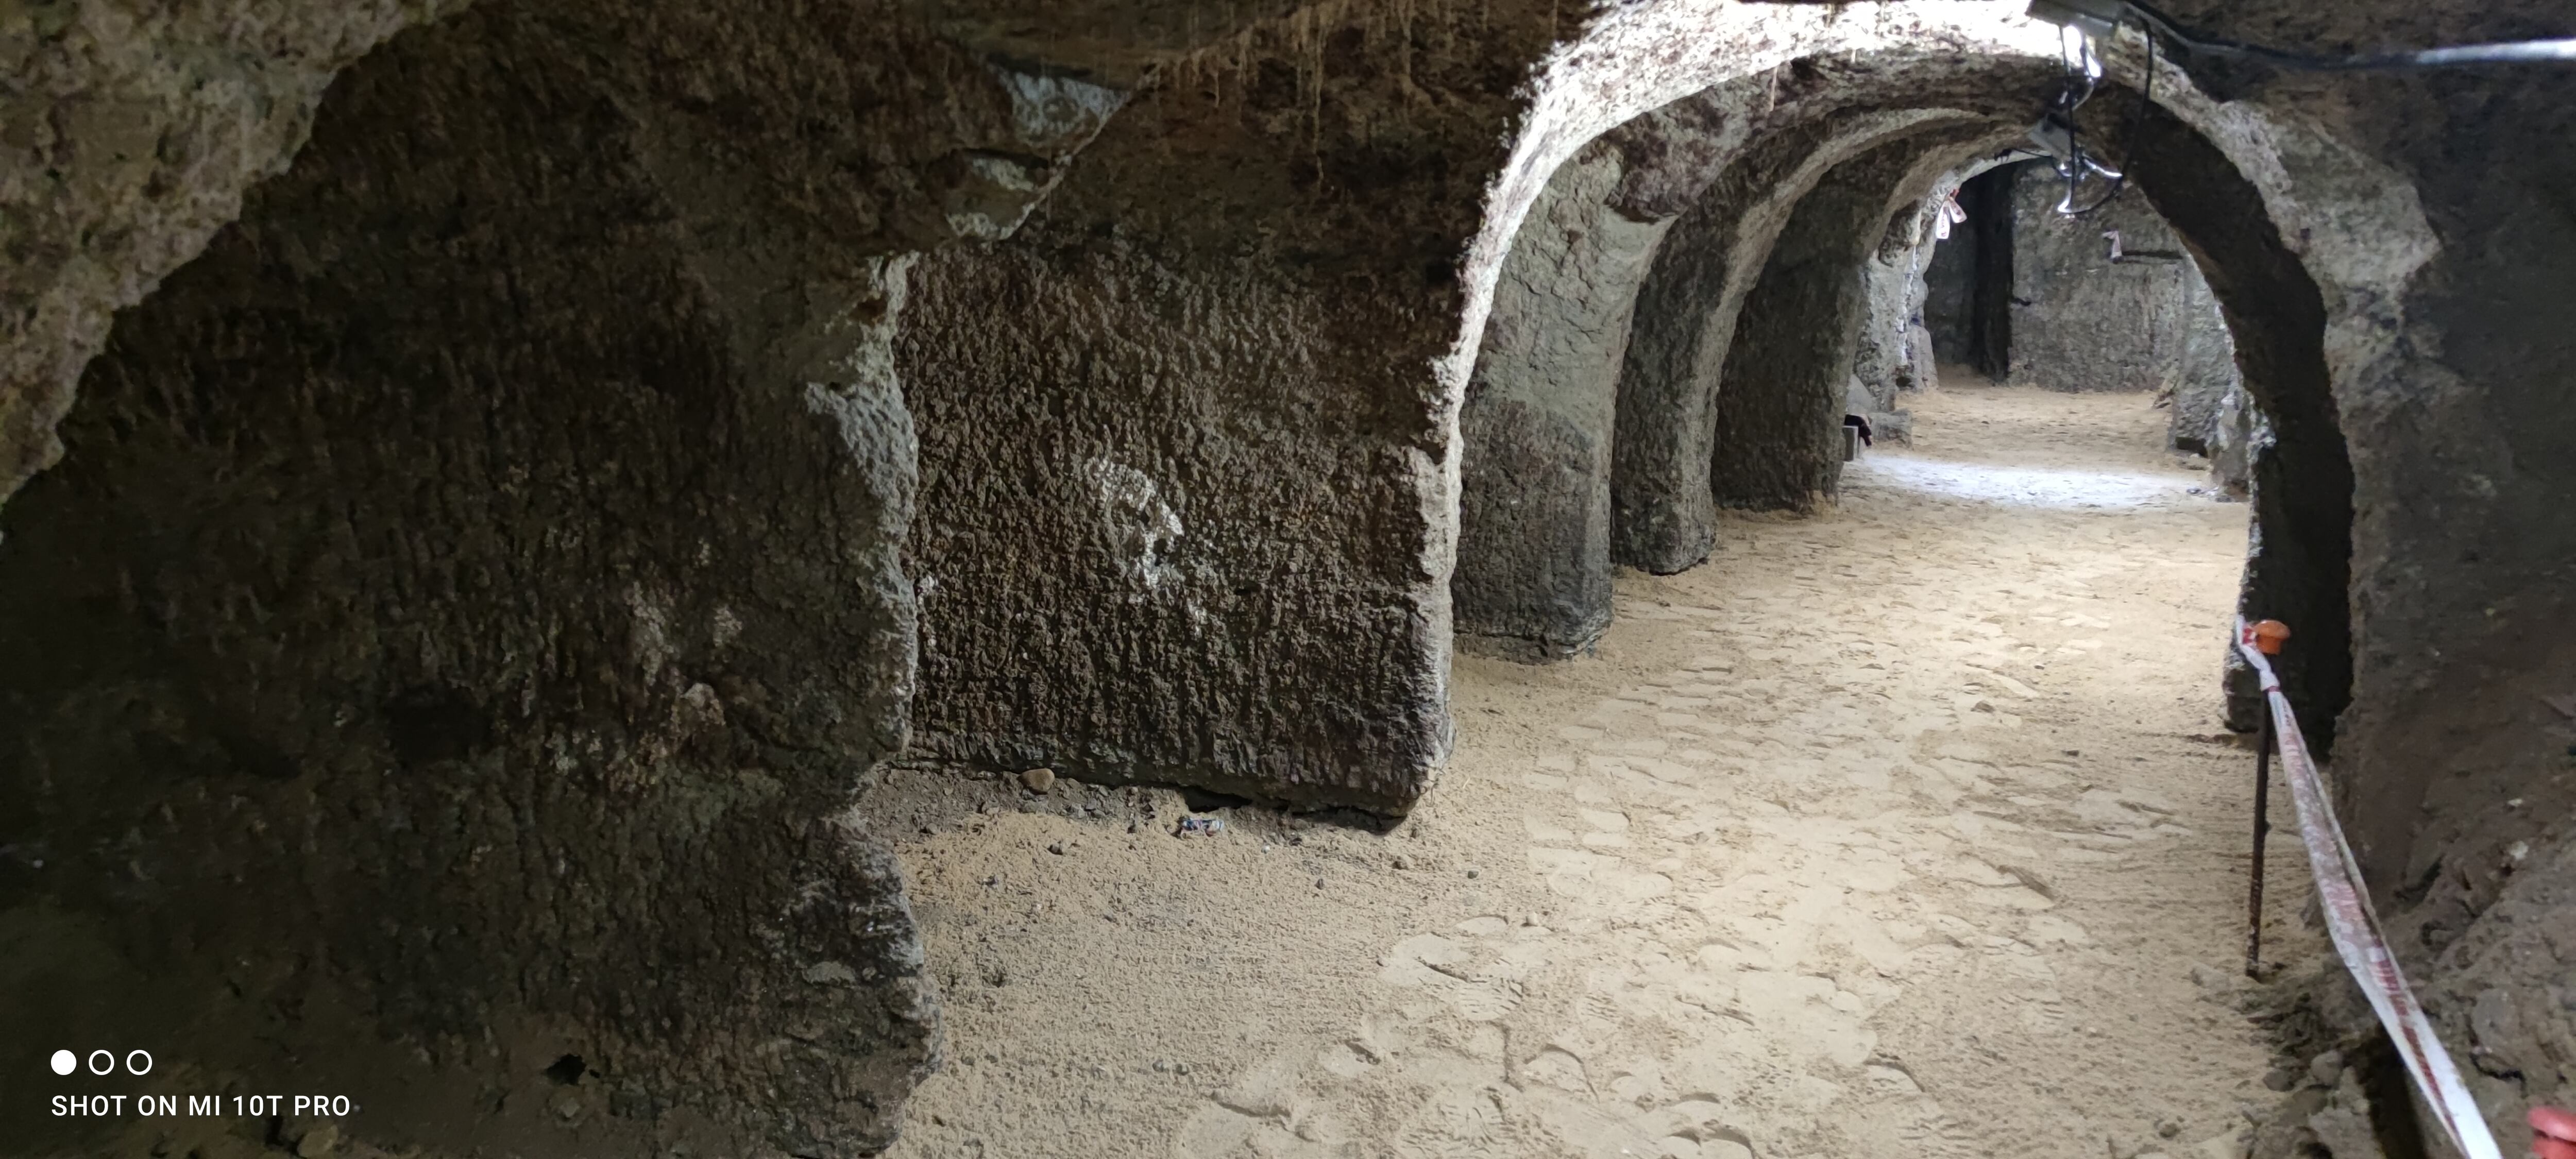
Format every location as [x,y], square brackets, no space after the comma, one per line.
[1895,832]
[2017,486]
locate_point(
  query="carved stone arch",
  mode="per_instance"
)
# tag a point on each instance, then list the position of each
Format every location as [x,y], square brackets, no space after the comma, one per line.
[1537,427]
[1193,489]
[1778,441]
[2298,565]
[1663,501]
[472,593]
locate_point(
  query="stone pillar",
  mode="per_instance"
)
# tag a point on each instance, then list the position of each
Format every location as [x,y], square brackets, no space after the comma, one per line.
[2207,380]
[1779,440]
[1187,495]
[1533,579]
[473,593]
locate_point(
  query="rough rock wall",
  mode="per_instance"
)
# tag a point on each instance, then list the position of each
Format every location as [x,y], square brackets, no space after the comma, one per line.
[1934,297]
[2207,379]
[1822,112]
[1532,580]
[1664,508]
[2084,320]
[2298,562]
[2236,436]
[1215,421]
[1949,285]
[1533,577]
[2081,320]
[1181,455]
[654,257]
[2461,545]
[1968,298]
[2487,900]
[2425,213]
[471,595]
[2443,383]
[128,135]
[1894,350]
[1780,404]
[2462,552]
[2501,980]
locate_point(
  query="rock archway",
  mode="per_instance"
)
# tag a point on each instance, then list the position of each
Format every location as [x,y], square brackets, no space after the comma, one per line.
[472,592]
[2299,566]
[507,510]
[1239,457]
[1689,191]
[1781,397]
[479,578]
[1699,423]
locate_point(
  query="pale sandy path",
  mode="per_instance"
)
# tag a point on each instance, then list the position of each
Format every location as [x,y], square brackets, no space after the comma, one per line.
[1883,834]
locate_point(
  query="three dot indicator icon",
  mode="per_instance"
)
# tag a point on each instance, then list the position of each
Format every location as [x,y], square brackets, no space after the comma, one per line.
[103,1062]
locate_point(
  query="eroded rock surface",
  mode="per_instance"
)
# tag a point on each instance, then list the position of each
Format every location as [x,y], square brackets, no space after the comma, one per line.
[473,592]
[1815,115]
[1533,576]
[1779,441]
[130,133]
[2082,318]
[2204,420]
[479,577]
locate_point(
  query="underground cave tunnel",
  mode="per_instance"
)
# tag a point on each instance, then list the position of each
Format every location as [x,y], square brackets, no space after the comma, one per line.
[1269,577]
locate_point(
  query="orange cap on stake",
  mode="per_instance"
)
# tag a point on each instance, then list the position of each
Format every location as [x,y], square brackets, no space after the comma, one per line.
[2268,635]
[2554,1133]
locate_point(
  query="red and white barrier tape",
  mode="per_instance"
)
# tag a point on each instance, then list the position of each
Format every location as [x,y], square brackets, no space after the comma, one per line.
[2355,927]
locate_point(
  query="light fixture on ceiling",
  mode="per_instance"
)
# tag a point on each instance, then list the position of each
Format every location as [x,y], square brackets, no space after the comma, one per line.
[2082,21]
[2093,17]
[2102,18]
[2078,23]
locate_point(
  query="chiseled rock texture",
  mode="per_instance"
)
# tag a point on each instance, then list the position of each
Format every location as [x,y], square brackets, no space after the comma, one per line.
[477,576]
[2236,435]
[1180,442]
[1541,416]
[1949,286]
[2084,320]
[1806,118]
[1780,402]
[471,594]
[128,135]
[1968,280]
[2206,380]
[476,584]
[1540,422]
[2081,320]
[2427,218]
[1535,430]
[1190,451]
[1533,578]
[1892,351]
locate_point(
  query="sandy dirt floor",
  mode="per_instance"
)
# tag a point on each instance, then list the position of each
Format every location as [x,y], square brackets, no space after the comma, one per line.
[1909,830]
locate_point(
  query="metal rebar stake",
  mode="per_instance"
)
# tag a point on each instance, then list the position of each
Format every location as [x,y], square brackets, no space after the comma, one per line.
[2262,826]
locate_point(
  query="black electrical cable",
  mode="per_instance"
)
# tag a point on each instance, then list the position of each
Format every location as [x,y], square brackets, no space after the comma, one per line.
[2151,22]
[2079,66]
[2508,52]
[2077,162]
[2137,125]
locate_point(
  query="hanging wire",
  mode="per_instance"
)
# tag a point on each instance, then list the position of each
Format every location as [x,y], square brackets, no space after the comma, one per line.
[2137,127]
[2083,79]
[2084,74]
[2508,52]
